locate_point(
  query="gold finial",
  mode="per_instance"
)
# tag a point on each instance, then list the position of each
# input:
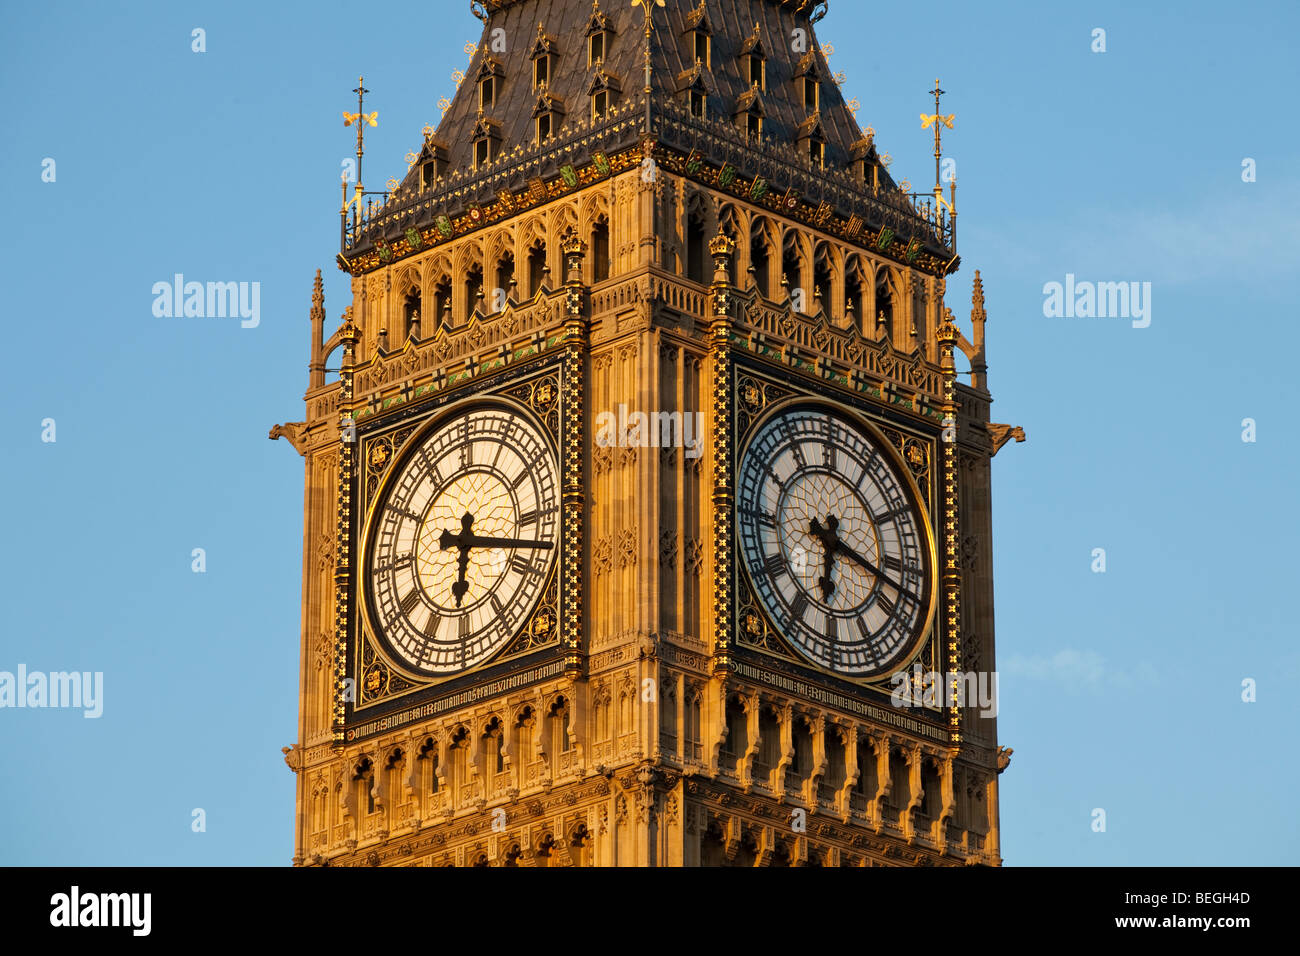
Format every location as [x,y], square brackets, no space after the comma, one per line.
[572,244]
[947,333]
[722,245]
[649,28]
[938,121]
[362,119]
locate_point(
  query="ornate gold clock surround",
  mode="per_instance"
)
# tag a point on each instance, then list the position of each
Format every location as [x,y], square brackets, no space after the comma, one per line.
[761,391]
[385,691]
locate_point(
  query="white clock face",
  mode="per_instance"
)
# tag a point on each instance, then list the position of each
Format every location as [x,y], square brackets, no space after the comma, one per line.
[836,547]
[463,538]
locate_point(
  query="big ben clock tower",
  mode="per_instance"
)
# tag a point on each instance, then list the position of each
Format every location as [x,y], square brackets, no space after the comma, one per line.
[647,522]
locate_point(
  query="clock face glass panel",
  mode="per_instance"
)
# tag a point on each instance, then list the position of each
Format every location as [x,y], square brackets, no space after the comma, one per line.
[835,544]
[462,539]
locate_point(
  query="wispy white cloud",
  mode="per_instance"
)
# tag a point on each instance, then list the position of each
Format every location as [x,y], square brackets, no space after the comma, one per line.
[1252,235]
[1081,670]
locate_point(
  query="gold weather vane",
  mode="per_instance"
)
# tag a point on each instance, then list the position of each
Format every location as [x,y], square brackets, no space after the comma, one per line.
[362,120]
[938,121]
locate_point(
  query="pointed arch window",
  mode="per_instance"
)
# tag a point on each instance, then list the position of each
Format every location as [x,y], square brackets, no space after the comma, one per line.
[428,757]
[547,116]
[487,140]
[430,171]
[603,90]
[812,93]
[364,780]
[600,250]
[693,90]
[433,163]
[823,268]
[760,259]
[811,139]
[885,302]
[473,290]
[864,159]
[753,59]
[697,246]
[792,266]
[855,286]
[807,78]
[600,29]
[558,718]
[544,55]
[699,36]
[537,272]
[411,312]
[489,76]
[769,735]
[441,303]
[505,283]
[750,112]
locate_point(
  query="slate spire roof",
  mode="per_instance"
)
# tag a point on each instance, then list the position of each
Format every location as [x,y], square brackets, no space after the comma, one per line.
[517,32]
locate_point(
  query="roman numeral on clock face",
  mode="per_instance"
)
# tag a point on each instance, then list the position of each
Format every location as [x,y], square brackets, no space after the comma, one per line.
[889,515]
[521,565]
[410,601]
[775,565]
[396,565]
[435,476]
[797,607]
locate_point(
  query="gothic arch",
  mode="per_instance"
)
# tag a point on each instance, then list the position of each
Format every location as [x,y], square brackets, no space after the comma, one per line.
[531,231]
[594,206]
[828,278]
[499,243]
[764,255]
[563,218]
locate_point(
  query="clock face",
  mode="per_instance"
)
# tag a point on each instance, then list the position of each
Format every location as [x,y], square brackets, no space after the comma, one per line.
[462,539]
[836,546]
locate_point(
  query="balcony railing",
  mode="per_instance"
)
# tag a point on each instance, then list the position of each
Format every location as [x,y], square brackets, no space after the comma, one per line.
[909,215]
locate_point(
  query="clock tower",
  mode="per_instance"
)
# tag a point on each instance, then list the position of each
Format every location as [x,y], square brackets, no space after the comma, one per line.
[647,521]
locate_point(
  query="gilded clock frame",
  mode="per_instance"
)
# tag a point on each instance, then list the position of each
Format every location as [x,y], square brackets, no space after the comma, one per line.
[392,471]
[535,651]
[779,392]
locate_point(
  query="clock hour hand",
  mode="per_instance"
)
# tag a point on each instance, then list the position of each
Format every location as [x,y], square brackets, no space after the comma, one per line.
[462,541]
[467,540]
[830,541]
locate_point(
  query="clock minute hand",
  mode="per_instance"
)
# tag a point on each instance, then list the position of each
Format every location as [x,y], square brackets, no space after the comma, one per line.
[476,542]
[854,556]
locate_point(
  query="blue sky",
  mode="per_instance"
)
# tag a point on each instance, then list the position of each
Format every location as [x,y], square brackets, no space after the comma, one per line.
[1120,691]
